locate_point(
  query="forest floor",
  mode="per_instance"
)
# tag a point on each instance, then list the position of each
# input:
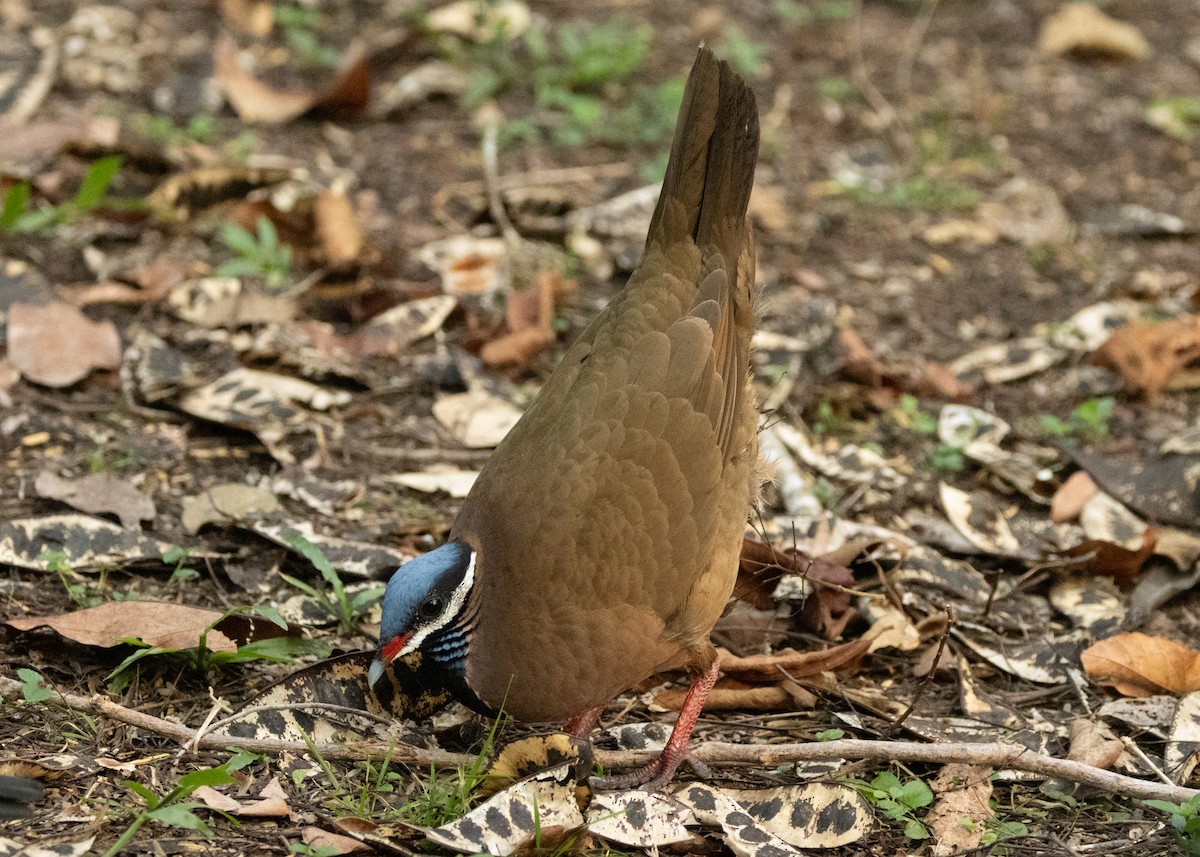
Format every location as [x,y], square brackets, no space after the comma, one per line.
[276,277]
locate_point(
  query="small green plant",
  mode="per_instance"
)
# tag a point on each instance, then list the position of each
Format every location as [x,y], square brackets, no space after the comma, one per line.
[173,808]
[829,421]
[1177,117]
[943,456]
[343,608]
[301,25]
[178,557]
[200,658]
[897,800]
[259,254]
[581,79]
[162,129]
[921,192]
[837,89]
[909,414]
[16,216]
[997,830]
[1087,423]
[742,52]
[33,686]
[448,795]
[1185,821]
[830,735]
[77,589]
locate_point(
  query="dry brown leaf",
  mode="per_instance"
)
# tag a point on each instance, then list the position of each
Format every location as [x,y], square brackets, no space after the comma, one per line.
[169,626]
[730,695]
[1072,496]
[936,381]
[255,101]
[57,345]
[337,227]
[1083,29]
[1093,743]
[1122,564]
[1148,354]
[762,566]
[1137,664]
[860,364]
[788,663]
[529,314]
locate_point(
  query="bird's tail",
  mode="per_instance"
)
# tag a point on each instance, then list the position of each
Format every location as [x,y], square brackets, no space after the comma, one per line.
[711,169]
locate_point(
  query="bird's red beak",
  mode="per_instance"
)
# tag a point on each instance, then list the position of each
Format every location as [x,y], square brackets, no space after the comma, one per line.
[387,653]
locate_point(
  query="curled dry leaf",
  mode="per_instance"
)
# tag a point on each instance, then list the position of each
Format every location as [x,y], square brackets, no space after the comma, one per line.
[763,569]
[254,101]
[1148,355]
[169,626]
[1138,664]
[529,316]
[57,345]
[1083,29]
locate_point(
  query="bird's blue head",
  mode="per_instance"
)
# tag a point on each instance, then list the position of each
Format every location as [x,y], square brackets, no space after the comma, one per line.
[423,608]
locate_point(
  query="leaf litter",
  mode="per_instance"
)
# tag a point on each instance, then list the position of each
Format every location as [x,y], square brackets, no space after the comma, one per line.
[930,537]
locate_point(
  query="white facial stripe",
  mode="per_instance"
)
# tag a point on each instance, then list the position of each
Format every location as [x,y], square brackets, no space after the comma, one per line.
[456,602]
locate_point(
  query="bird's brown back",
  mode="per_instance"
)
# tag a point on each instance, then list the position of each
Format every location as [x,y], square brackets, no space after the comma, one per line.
[608,521]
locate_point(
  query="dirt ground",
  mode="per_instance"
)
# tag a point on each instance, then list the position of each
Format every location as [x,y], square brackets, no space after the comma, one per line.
[931,182]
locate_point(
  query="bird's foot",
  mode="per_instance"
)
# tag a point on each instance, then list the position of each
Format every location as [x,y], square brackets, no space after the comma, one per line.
[655,776]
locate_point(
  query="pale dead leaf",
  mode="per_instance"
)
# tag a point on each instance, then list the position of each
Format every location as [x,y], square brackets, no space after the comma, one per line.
[99,493]
[252,17]
[156,623]
[1072,496]
[1138,664]
[332,843]
[958,817]
[57,345]
[1082,28]
[469,266]
[480,21]
[951,231]
[337,227]
[453,481]
[214,799]
[477,419]
[232,501]
[1093,743]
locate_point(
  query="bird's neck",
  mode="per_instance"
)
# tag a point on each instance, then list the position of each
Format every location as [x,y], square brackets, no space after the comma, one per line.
[448,649]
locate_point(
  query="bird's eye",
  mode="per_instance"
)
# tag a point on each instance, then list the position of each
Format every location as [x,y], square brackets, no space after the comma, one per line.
[431,608]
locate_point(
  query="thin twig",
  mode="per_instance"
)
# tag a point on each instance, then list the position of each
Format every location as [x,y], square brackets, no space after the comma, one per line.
[999,756]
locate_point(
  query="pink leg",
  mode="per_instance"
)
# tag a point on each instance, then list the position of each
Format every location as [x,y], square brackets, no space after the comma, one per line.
[658,773]
[581,725]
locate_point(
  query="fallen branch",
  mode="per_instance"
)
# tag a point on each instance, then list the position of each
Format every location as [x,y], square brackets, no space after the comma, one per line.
[998,756]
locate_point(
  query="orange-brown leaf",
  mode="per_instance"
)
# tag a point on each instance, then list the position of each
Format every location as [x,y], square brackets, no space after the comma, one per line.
[1140,665]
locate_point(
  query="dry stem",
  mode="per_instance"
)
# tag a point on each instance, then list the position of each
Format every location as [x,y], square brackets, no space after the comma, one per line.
[998,756]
